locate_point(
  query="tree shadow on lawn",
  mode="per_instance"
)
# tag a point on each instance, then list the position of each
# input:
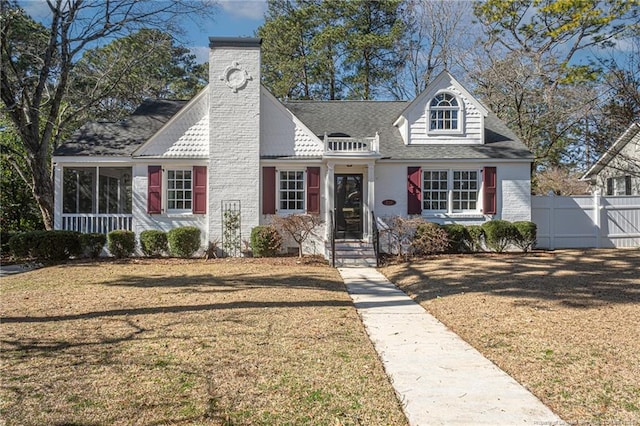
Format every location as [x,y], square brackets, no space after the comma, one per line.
[574,278]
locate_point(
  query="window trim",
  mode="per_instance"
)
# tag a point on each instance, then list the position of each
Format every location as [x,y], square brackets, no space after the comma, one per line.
[450,192]
[278,191]
[166,190]
[460,112]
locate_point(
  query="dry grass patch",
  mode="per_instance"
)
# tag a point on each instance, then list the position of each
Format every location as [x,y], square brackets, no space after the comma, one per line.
[187,342]
[565,324]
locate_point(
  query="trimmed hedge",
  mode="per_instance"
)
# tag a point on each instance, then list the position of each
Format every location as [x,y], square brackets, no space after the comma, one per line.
[476,238]
[121,243]
[499,234]
[526,233]
[46,246]
[183,241]
[92,244]
[265,241]
[154,242]
[458,237]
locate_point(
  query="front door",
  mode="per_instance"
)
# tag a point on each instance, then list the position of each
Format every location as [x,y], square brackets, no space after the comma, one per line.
[348,203]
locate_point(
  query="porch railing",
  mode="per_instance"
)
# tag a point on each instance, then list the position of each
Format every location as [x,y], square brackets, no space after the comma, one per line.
[346,145]
[96,223]
[332,229]
[376,238]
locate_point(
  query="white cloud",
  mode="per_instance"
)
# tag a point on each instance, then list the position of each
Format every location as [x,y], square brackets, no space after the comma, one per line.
[252,9]
[201,52]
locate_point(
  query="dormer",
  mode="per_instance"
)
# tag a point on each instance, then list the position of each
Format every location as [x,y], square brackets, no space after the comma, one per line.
[444,113]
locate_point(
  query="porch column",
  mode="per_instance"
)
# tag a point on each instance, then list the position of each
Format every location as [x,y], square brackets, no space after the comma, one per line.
[57,196]
[371,199]
[329,203]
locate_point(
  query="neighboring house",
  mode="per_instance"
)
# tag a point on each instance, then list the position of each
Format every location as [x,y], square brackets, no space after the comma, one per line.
[617,172]
[236,149]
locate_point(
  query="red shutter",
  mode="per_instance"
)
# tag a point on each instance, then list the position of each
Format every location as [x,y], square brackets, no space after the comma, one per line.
[313,189]
[154,190]
[414,191]
[489,194]
[268,190]
[199,205]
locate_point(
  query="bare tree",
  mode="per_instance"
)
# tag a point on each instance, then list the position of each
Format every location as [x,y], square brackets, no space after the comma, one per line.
[298,226]
[38,63]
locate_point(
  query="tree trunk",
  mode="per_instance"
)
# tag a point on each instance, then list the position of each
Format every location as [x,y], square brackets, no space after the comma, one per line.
[43,191]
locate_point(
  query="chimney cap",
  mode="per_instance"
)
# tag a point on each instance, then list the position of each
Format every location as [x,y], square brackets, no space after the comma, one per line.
[234,42]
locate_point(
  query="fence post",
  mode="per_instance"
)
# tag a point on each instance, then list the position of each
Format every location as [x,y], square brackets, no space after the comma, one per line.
[597,216]
[552,222]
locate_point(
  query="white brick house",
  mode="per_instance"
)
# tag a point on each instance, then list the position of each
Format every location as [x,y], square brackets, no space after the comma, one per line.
[236,148]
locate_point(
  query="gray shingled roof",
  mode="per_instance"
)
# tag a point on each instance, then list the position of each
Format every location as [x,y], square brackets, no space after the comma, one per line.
[121,138]
[351,118]
[365,118]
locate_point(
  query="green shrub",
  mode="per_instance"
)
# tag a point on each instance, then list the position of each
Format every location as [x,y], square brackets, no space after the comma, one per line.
[526,234]
[499,234]
[153,242]
[4,241]
[21,245]
[183,241]
[92,244]
[46,246]
[265,241]
[476,238]
[121,243]
[458,237]
[429,238]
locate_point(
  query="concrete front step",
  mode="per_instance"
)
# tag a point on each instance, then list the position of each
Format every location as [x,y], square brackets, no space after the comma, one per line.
[355,253]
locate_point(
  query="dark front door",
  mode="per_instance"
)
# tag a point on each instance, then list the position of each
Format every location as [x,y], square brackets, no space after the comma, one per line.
[348,203]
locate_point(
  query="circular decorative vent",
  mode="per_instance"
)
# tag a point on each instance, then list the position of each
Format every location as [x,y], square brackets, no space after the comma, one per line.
[235,76]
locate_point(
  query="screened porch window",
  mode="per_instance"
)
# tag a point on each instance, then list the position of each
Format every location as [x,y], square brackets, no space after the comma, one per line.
[93,190]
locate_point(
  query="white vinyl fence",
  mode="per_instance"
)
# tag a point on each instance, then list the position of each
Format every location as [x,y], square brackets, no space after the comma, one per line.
[586,221]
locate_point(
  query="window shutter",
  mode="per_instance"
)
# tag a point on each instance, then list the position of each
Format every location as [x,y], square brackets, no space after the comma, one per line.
[313,189]
[627,185]
[609,186]
[154,190]
[199,205]
[268,190]
[489,194]
[414,190]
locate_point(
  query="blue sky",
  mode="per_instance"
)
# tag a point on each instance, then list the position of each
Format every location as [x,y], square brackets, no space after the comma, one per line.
[234,18]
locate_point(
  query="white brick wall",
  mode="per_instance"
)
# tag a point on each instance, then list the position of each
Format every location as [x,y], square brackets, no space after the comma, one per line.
[234,164]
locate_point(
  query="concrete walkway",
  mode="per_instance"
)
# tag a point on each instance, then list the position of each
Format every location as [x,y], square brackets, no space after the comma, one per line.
[439,378]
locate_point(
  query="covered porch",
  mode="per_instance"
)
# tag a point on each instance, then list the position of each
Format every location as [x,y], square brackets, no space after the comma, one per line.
[93,199]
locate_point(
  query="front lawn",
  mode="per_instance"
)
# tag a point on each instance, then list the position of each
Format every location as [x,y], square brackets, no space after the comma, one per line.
[565,324]
[155,342]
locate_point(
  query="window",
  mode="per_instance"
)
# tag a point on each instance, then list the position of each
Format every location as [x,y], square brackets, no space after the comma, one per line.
[435,189]
[291,193]
[179,193]
[444,113]
[450,191]
[104,190]
[465,190]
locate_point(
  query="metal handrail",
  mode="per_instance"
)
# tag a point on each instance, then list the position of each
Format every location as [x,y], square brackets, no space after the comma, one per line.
[376,238]
[333,239]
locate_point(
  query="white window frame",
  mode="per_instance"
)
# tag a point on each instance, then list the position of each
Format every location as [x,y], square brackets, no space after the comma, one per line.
[459,129]
[471,182]
[279,191]
[436,190]
[167,190]
[619,186]
[450,190]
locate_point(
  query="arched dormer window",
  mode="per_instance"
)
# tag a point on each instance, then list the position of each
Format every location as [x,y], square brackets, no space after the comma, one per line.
[445,113]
